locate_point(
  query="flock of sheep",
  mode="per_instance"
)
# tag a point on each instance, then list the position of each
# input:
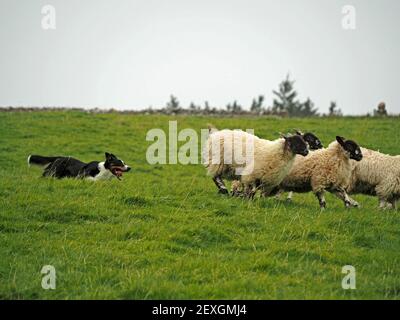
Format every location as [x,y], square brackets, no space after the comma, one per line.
[286,164]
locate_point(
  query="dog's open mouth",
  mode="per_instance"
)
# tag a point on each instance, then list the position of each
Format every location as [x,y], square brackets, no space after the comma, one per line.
[117,171]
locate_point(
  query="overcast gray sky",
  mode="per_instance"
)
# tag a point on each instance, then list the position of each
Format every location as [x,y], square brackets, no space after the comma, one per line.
[134,54]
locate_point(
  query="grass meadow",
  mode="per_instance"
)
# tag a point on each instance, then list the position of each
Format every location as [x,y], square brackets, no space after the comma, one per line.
[164,232]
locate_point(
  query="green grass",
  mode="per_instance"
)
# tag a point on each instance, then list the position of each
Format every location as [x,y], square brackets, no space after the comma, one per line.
[165,233]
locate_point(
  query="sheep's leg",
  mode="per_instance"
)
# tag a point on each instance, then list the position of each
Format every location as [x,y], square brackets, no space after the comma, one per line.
[263,191]
[268,191]
[279,194]
[237,188]
[393,204]
[353,202]
[220,185]
[264,194]
[281,191]
[342,195]
[387,204]
[395,201]
[382,203]
[387,198]
[250,191]
[321,199]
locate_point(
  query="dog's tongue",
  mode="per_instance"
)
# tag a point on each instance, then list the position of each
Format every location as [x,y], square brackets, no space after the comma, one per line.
[117,173]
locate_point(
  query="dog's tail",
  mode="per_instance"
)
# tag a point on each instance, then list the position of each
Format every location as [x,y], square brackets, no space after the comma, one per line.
[41,161]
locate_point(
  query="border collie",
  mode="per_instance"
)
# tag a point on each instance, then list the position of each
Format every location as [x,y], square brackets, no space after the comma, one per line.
[67,167]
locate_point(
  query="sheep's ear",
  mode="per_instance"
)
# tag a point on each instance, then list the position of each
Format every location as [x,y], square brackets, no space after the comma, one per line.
[341,140]
[299,133]
[284,136]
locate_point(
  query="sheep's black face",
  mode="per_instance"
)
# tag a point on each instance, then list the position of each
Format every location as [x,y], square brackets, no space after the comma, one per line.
[351,147]
[297,145]
[354,150]
[313,141]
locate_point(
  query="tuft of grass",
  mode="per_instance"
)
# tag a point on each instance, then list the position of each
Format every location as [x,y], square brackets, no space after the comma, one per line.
[135,201]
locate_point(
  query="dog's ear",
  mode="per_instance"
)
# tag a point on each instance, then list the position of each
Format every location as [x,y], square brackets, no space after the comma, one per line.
[340,140]
[108,156]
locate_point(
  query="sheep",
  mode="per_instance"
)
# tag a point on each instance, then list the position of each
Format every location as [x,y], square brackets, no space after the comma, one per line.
[313,142]
[377,174]
[325,170]
[267,162]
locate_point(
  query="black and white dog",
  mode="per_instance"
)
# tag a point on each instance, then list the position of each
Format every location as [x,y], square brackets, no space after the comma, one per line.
[67,167]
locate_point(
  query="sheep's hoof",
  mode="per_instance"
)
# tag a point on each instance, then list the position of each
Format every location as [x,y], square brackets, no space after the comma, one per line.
[356,205]
[249,196]
[223,191]
[289,200]
[236,194]
[352,204]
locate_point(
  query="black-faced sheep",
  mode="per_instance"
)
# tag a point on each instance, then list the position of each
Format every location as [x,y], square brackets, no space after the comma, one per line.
[314,143]
[325,170]
[377,174]
[239,155]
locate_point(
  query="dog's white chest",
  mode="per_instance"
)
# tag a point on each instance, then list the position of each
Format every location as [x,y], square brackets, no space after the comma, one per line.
[104,173]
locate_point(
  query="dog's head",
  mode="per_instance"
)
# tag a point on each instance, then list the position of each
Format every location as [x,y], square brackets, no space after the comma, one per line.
[313,141]
[115,165]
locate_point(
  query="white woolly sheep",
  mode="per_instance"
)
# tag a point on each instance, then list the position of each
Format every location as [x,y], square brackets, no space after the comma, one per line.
[314,143]
[256,162]
[377,174]
[325,170]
